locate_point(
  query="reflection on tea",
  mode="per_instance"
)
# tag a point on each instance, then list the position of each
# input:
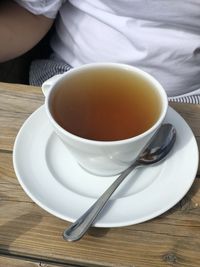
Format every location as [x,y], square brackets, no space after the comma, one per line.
[105,104]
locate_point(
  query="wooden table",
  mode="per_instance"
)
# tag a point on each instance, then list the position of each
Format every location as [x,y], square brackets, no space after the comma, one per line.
[29,236]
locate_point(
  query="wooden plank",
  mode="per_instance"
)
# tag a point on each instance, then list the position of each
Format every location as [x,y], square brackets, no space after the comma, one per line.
[17,102]
[191,113]
[173,237]
[28,231]
[17,262]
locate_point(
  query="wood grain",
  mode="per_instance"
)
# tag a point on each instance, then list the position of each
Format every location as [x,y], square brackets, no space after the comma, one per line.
[17,262]
[29,236]
[16,104]
[191,113]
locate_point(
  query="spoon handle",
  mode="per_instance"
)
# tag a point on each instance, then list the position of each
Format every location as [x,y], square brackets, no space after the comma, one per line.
[81,225]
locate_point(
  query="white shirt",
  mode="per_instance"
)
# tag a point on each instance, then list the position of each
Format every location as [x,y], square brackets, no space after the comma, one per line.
[161,37]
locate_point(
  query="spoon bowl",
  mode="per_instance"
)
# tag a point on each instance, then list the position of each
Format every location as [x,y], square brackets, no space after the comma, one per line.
[159,146]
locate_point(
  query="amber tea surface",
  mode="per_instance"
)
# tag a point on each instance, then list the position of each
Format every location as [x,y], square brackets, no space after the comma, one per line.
[105,105]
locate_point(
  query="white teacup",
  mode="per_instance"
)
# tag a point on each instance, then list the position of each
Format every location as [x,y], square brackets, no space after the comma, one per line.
[100,156]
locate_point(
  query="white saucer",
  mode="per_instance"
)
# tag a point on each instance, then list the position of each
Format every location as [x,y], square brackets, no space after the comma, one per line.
[53,179]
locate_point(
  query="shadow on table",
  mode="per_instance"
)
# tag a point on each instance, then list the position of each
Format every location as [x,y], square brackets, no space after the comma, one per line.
[13,229]
[98,232]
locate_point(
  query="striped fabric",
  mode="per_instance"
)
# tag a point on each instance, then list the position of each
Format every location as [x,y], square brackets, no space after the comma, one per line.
[191,99]
[43,69]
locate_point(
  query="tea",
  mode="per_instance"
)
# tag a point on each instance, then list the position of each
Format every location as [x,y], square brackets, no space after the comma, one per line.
[105,104]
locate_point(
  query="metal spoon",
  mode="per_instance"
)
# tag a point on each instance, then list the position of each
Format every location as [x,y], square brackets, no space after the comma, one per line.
[156,149]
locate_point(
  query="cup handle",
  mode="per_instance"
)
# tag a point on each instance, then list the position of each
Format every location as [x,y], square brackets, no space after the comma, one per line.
[48,83]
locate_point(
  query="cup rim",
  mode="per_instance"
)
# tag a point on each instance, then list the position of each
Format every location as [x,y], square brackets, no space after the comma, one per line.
[157,85]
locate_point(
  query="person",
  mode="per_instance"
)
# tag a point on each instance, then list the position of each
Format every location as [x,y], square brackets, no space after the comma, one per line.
[160,37]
